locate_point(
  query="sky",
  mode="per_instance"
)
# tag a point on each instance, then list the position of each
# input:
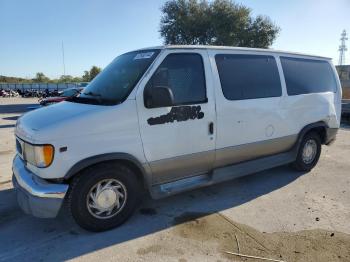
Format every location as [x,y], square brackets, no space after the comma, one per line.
[94,32]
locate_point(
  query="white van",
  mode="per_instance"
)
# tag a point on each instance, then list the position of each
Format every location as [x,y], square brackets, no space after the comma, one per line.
[169,119]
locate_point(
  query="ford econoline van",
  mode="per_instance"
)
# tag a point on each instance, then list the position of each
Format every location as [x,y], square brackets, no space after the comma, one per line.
[169,119]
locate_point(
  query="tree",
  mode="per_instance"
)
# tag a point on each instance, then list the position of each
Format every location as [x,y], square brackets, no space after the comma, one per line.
[77,79]
[12,79]
[94,71]
[86,76]
[65,79]
[91,74]
[40,78]
[220,22]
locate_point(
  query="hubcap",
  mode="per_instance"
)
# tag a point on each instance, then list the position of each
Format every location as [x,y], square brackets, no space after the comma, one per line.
[309,151]
[106,198]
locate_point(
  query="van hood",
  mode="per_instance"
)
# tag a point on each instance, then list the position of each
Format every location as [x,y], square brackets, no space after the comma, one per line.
[44,118]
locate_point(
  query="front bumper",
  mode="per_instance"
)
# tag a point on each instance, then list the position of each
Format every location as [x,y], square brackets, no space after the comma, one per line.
[35,195]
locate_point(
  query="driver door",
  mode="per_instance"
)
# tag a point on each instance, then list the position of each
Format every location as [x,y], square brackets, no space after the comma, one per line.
[179,139]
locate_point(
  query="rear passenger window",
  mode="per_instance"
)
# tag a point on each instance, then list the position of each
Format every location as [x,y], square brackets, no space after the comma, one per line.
[248,76]
[183,73]
[304,76]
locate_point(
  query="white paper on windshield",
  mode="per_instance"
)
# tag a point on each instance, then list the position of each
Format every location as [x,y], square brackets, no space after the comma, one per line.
[145,55]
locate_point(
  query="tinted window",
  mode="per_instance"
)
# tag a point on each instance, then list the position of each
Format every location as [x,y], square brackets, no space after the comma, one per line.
[248,76]
[305,76]
[184,75]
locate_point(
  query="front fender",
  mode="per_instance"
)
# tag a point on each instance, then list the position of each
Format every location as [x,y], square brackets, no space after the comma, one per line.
[82,164]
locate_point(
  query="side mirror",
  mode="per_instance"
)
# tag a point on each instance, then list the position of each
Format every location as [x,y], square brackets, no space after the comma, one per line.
[158,96]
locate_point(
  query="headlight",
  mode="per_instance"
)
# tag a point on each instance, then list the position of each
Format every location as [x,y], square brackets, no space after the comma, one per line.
[38,155]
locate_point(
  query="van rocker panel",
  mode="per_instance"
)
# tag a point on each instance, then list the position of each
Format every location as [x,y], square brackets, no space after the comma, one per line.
[222,174]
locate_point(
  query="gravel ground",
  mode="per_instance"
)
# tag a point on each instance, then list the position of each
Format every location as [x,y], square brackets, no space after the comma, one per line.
[278,213]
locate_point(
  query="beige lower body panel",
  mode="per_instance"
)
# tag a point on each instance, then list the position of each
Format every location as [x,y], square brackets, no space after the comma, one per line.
[172,169]
[236,154]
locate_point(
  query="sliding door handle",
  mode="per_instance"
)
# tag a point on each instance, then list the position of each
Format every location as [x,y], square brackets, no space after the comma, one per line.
[211,128]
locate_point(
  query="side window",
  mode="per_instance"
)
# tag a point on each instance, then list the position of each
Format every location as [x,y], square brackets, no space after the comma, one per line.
[248,76]
[184,74]
[304,76]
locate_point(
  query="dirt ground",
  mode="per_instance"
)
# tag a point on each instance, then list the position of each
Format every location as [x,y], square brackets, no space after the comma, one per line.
[279,214]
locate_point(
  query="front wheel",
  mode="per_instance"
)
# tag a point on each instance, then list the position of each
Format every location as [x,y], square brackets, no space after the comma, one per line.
[103,197]
[309,152]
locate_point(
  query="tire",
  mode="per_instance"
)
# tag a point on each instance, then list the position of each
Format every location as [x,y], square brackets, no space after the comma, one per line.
[123,182]
[307,161]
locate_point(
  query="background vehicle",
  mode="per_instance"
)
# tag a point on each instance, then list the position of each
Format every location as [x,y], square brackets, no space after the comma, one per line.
[8,93]
[170,119]
[62,96]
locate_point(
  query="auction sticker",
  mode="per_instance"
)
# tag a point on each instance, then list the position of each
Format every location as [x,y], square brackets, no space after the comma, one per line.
[145,55]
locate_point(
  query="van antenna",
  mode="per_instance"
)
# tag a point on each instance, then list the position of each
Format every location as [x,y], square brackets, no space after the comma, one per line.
[64,64]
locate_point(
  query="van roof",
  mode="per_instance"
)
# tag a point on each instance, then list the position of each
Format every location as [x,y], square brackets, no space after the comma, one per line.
[210,47]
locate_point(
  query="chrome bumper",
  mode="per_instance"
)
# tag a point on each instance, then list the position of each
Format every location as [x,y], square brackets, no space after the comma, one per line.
[35,195]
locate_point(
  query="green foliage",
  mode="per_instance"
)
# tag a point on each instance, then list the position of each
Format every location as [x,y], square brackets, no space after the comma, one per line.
[77,79]
[65,79]
[86,76]
[91,74]
[220,22]
[11,79]
[40,78]
[94,71]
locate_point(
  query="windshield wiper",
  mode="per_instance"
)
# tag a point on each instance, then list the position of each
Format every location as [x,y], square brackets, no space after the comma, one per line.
[91,94]
[92,98]
[94,95]
[85,100]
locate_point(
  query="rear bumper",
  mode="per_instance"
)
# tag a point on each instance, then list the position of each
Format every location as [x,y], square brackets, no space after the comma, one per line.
[331,134]
[36,196]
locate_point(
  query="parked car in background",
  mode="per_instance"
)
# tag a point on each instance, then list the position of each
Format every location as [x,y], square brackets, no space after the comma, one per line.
[83,84]
[170,119]
[8,93]
[64,95]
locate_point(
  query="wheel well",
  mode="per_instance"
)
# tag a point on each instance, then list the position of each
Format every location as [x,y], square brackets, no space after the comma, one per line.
[134,168]
[138,172]
[321,131]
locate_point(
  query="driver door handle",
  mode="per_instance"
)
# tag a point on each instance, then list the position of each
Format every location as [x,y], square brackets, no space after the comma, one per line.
[211,128]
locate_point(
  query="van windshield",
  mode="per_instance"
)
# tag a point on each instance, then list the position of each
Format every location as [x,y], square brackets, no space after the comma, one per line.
[117,80]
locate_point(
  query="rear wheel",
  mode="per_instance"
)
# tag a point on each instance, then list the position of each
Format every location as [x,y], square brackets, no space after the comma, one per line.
[309,152]
[104,196]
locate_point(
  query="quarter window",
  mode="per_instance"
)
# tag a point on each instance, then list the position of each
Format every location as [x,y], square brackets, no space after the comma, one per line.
[248,76]
[183,73]
[304,76]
